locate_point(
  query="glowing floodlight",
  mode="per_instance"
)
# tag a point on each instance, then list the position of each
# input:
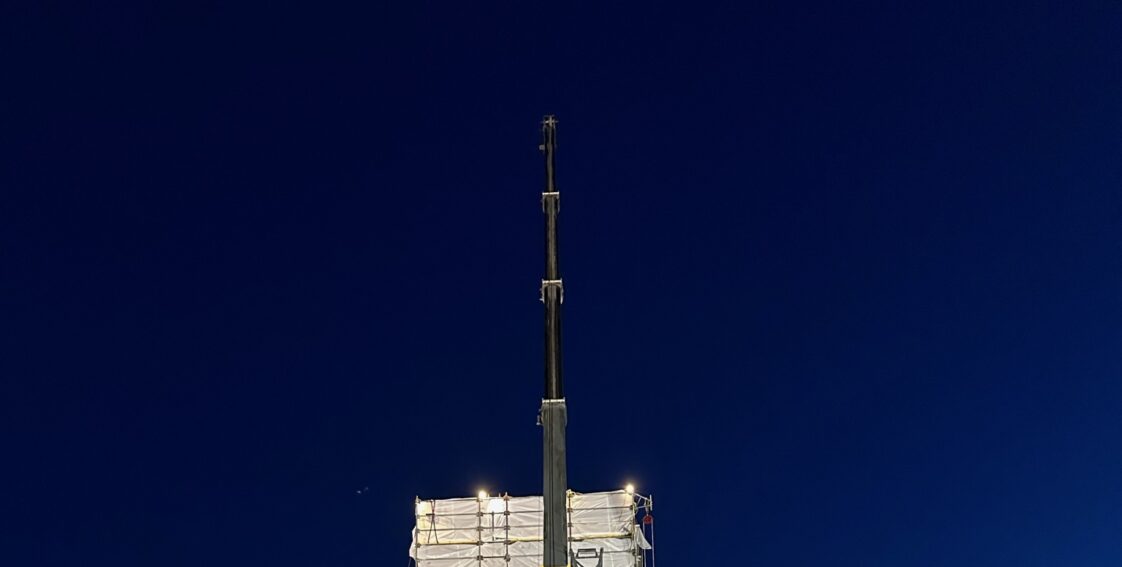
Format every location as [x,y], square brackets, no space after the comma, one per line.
[630,488]
[482,494]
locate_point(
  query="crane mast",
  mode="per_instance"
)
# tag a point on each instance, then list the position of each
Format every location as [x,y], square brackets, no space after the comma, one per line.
[553,416]
[563,528]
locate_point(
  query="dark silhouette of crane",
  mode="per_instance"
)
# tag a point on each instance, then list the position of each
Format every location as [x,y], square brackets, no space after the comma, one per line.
[553,415]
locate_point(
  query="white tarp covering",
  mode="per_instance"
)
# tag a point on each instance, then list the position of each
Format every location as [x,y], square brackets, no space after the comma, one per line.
[507,531]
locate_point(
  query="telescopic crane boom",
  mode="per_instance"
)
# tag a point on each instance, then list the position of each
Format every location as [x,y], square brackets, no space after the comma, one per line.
[553,415]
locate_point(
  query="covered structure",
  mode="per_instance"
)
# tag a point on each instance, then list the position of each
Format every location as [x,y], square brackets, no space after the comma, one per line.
[506,531]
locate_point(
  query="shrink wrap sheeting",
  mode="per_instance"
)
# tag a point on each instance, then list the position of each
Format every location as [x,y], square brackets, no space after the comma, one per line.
[506,531]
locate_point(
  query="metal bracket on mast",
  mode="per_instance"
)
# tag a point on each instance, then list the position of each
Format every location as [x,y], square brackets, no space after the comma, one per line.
[556,195]
[552,283]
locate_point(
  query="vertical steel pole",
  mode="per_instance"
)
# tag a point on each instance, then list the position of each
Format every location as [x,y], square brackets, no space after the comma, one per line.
[553,412]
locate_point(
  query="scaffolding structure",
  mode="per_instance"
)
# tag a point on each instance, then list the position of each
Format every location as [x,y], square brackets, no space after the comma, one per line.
[506,531]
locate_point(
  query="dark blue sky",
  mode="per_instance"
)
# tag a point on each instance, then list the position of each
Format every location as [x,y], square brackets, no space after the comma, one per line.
[842,281]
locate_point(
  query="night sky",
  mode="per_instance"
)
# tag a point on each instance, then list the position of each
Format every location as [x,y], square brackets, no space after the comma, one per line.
[843,282]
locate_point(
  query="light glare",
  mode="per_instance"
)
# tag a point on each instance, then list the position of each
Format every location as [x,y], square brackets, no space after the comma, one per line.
[496,506]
